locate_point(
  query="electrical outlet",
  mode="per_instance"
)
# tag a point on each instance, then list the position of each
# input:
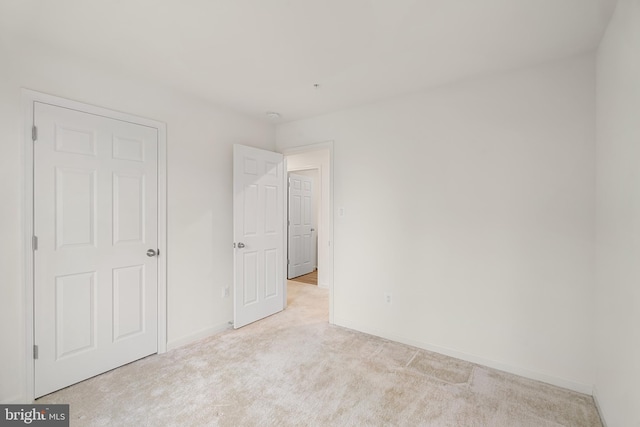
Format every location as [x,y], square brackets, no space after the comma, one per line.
[225,292]
[387,298]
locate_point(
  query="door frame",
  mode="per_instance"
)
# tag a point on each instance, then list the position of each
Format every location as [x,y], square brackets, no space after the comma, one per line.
[327,145]
[29,97]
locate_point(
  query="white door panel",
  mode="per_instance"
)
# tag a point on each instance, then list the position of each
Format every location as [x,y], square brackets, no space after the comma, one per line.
[96,215]
[258,181]
[301,229]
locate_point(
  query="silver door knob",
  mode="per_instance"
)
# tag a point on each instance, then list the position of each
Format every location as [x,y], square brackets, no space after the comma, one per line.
[313,229]
[241,245]
[151,253]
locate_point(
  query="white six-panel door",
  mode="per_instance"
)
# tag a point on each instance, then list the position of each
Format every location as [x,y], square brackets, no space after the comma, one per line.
[95,218]
[258,227]
[301,242]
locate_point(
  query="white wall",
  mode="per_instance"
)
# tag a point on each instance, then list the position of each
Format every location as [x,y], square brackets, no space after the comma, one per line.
[200,138]
[618,219]
[473,204]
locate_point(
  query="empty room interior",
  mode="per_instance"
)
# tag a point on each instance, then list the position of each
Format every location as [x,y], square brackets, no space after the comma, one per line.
[476,168]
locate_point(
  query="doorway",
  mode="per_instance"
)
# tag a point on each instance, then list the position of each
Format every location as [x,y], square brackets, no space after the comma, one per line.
[319,157]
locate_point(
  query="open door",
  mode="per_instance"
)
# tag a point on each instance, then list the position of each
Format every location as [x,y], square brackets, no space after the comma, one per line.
[259,182]
[301,242]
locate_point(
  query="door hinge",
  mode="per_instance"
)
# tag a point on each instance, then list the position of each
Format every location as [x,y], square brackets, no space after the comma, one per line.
[288,261]
[34,242]
[34,133]
[35,351]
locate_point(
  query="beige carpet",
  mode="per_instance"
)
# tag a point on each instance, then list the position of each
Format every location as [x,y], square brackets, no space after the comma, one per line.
[294,369]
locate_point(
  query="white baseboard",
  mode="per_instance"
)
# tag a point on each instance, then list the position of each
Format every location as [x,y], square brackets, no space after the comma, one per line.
[598,407]
[523,372]
[197,336]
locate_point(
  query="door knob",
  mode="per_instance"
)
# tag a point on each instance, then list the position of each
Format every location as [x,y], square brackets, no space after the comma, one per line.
[152,253]
[241,245]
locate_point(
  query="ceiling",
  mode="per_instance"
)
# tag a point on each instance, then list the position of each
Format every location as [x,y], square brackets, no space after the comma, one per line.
[255,56]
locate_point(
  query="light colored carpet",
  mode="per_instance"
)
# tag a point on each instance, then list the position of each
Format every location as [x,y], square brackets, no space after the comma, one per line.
[294,369]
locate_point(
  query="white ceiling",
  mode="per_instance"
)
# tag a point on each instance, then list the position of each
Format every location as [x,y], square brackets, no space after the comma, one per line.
[266,55]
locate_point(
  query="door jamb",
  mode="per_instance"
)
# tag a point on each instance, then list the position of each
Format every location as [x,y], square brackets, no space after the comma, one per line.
[327,145]
[29,97]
